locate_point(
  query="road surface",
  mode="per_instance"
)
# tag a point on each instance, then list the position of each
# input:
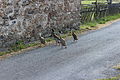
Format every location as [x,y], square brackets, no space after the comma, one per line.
[92,57]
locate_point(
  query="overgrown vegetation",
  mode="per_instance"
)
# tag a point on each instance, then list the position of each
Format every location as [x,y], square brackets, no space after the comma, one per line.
[3,53]
[18,46]
[103,1]
[21,45]
[113,78]
[99,21]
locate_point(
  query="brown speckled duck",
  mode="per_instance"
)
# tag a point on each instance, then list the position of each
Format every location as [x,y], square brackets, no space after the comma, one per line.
[42,39]
[74,36]
[63,43]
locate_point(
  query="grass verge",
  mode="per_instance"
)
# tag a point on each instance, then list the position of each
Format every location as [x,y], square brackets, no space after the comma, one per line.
[117,67]
[91,1]
[113,78]
[99,21]
[18,46]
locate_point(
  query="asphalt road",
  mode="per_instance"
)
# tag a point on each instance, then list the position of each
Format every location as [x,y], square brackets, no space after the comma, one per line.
[89,59]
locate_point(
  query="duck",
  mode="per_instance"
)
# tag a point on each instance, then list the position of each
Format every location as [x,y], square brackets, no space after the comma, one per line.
[75,38]
[63,43]
[42,39]
[56,37]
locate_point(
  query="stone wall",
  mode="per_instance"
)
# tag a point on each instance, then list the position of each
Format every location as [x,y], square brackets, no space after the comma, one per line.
[23,19]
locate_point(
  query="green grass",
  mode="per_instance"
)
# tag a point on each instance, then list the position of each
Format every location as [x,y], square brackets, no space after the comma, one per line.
[84,26]
[31,44]
[108,18]
[101,1]
[17,47]
[113,78]
[3,53]
[103,20]
[92,24]
[49,39]
[117,67]
[91,1]
[88,25]
[64,36]
[87,2]
[21,45]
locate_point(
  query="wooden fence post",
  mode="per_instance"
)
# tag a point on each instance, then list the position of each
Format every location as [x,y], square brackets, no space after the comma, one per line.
[109,1]
[96,8]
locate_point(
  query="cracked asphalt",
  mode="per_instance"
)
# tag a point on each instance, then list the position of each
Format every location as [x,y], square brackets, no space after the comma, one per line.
[91,58]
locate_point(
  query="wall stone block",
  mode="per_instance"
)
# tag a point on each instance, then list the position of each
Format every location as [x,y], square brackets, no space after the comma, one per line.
[23,19]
